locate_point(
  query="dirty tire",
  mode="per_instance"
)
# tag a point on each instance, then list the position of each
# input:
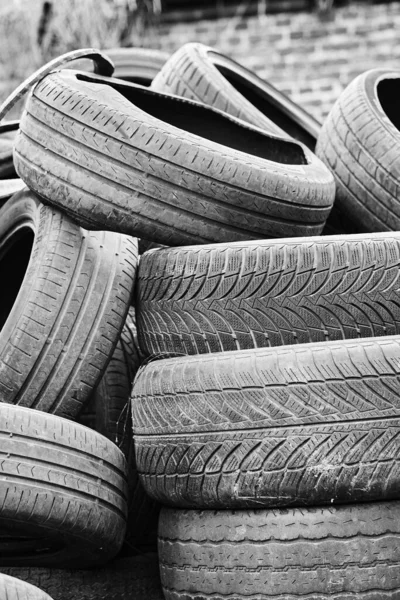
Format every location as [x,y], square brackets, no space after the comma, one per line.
[7,170]
[14,589]
[347,553]
[201,299]
[138,65]
[110,165]
[360,143]
[201,73]
[63,492]
[121,579]
[110,414]
[62,312]
[292,426]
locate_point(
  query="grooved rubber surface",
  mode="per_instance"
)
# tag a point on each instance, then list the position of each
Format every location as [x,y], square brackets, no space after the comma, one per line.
[70,309]
[344,553]
[13,589]
[136,578]
[360,145]
[63,492]
[298,425]
[111,416]
[201,73]
[137,64]
[87,148]
[213,298]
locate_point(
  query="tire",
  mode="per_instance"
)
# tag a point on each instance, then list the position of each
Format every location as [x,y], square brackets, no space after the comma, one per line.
[122,579]
[63,492]
[201,73]
[359,142]
[348,553]
[201,299]
[7,170]
[13,589]
[111,165]
[110,415]
[64,307]
[137,65]
[299,425]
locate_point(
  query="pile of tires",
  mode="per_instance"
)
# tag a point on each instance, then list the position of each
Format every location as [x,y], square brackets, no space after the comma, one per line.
[243,373]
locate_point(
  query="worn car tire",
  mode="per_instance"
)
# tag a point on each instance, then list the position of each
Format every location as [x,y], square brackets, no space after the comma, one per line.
[122,579]
[86,145]
[138,65]
[301,425]
[61,313]
[109,413]
[360,143]
[201,73]
[63,492]
[212,298]
[7,136]
[14,589]
[347,553]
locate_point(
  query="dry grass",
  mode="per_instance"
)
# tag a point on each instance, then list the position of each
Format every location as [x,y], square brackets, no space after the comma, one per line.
[73,24]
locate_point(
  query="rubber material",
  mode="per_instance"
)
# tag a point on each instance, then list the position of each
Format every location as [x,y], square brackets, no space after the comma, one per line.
[121,579]
[298,425]
[110,415]
[13,589]
[201,73]
[359,142]
[102,65]
[86,145]
[243,295]
[344,553]
[63,492]
[138,65]
[63,308]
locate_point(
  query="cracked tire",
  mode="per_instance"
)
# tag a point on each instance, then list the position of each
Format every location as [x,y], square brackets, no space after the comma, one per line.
[87,145]
[300,425]
[201,299]
[200,73]
[67,295]
[343,553]
[63,492]
[360,144]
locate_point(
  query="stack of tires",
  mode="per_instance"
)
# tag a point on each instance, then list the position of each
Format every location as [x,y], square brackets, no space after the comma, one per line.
[266,410]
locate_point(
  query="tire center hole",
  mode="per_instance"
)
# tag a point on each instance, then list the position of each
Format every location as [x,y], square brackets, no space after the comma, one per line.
[14,258]
[387,91]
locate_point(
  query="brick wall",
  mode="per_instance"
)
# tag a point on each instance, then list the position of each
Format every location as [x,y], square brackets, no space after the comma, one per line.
[310,59]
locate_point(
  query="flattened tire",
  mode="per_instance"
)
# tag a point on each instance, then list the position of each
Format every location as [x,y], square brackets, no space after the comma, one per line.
[61,313]
[63,492]
[201,73]
[138,65]
[122,579]
[111,165]
[348,552]
[301,425]
[14,589]
[360,143]
[201,299]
